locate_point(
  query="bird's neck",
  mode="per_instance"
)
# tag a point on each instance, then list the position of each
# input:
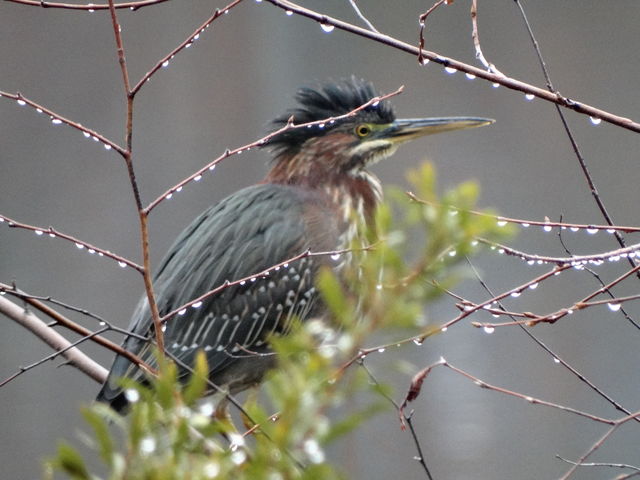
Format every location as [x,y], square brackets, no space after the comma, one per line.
[353,193]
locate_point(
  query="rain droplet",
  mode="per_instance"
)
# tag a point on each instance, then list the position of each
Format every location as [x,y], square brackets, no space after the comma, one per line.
[39,232]
[529,399]
[212,168]
[122,264]
[86,134]
[378,287]
[417,341]
[611,230]
[595,120]
[452,253]
[443,329]
[450,70]
[102,323]
[470,76]
[525,225]
[79,246]
[327,28]
[288,13]
[529,96]
[91,10]
[39,110]
[614,306]
[501,223]
[381,350]
[168,196]
[182,312]
[533,286]
[574,229]
[592,230]
[132,395]
[489,329]
[495,85]
[197,305]
[56,121]
[21,102]
[107,146]
[91,251]
[547,228]
[516,294]
[165,64]
[178,190]
[197,178]
[147,445]
[211,470]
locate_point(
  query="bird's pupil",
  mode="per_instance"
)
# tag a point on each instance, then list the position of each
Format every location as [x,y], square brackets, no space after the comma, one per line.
[363,130]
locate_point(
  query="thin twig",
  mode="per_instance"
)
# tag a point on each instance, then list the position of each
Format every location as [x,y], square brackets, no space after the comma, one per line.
[253,277]
[127,156]
[56,341]
[58,119]
[583,164]
[354,5]
[80,244]
[556,358]
[507,82]
[197,175]
[90,7]
[164,61]
[80,330]
[476,39]
[599,443]
[408,419]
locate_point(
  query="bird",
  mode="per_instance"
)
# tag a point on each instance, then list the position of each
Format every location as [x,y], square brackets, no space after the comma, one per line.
[318,188]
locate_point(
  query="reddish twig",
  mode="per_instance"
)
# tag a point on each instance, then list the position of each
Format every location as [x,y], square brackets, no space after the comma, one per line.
[615,425]
[90,7]
[164,61]
[197,176]
[547,224]
[81,244]
[127,156]
[58,119]
[507,82]
[196,302]
[54,340]
[416,385]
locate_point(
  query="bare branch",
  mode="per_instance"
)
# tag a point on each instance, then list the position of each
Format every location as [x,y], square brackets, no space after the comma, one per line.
[58,119]
[164,62]
[52,338]
[90,7]
[80,244]
[507,82]
[197,176]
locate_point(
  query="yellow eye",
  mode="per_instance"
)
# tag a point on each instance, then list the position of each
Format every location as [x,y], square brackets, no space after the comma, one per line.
[363,130]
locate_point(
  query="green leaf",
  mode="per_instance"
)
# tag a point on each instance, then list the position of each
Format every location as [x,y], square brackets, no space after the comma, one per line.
[198,381]
[101,432]
[70,461]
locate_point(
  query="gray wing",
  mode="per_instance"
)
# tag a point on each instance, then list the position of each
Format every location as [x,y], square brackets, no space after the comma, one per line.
[244,234]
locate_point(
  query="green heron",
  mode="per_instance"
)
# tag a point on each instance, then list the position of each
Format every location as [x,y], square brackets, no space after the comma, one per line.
[318,181]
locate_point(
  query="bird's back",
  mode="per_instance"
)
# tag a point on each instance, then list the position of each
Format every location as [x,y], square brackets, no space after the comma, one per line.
[248,232]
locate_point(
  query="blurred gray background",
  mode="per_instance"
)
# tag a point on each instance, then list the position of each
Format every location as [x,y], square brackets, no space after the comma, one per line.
[221,93]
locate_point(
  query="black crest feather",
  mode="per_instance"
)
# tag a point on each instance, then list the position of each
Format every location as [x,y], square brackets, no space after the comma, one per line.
[330,100]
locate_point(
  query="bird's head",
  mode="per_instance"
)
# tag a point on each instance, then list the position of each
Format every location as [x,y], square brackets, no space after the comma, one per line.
[348,145]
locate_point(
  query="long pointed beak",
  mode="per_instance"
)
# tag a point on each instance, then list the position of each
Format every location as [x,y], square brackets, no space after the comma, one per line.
[403,130]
